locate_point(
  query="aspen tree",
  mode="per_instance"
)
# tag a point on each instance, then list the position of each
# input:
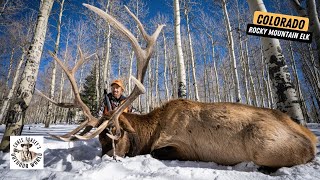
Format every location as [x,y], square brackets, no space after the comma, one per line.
[285,94]
[51,109]
[26,87]
[186,11]
[231,52]
[182,92]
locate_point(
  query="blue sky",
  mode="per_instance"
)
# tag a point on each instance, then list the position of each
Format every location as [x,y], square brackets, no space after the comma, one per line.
[74,8]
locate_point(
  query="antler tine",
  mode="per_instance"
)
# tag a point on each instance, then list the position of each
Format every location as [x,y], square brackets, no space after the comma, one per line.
[115,24]
[157,32]
[145,35]
[143,57]
[139,85]
[64,68]
[141,28]
[68,136]
[81,60]
[64,105]
[91,120]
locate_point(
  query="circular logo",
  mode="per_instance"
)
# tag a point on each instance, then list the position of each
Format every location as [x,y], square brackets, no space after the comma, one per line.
[26,152]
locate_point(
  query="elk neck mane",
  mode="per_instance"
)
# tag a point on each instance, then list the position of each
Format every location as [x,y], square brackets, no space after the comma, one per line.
[146,128]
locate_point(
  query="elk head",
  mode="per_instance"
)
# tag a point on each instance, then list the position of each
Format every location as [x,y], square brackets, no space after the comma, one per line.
[143,57]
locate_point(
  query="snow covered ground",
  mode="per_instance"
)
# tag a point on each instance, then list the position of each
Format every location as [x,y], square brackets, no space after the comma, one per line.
[80,160]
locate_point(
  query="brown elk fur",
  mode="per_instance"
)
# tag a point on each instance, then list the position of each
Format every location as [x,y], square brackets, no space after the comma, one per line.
[225,133]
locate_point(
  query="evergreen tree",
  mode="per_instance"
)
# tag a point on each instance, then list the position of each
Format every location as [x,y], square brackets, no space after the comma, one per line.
[88,93]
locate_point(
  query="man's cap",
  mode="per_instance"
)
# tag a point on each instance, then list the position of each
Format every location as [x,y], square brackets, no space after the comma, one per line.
[26,142]
[119,83]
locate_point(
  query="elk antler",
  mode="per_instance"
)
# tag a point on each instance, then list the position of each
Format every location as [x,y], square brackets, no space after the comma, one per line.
[90,121]
[143,58]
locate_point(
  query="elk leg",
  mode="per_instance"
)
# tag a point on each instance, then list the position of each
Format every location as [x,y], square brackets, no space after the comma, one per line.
[166,153]
[114,156]
[105,142]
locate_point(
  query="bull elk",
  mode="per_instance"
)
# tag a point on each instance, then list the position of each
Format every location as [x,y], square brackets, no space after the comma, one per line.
[225,133]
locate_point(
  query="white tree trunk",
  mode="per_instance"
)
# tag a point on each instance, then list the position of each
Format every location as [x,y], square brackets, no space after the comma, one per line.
[297,82]
[8,75]
[216,76]
[225,86]
[62,79]
[165,67]
[195,85]
[80,79]
[208,71]
[157,94]
[172,76]
[188,76]
[132,52]
[6,102]
[261,96]
[107,51]
[10,67]
[253,89]
[149,85]
[266,79]
[245,77]
[182,92]
[29,76]
[205,80]
[271,96]
[97,76]
[231,52]
[314,23]
[285,95]
[79,37]
[211,84]
[51,109]
[130,70]
[315,74]
[245,70]
[151,81]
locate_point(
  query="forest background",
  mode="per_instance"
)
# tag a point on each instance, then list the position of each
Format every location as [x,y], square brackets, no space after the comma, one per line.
[209,59]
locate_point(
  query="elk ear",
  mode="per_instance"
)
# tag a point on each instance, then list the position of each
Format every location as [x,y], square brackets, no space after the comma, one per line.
[126,125]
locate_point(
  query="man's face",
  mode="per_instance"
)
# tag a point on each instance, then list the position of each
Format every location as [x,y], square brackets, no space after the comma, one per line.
[25,147]
[116,90]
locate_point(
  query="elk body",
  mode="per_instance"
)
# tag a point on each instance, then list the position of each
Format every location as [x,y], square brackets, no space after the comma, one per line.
[225,133]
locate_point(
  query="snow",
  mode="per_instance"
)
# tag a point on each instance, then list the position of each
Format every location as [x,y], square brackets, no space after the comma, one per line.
[80,160]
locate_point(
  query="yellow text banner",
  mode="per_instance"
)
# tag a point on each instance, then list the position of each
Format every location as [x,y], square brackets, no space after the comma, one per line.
[281,21]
